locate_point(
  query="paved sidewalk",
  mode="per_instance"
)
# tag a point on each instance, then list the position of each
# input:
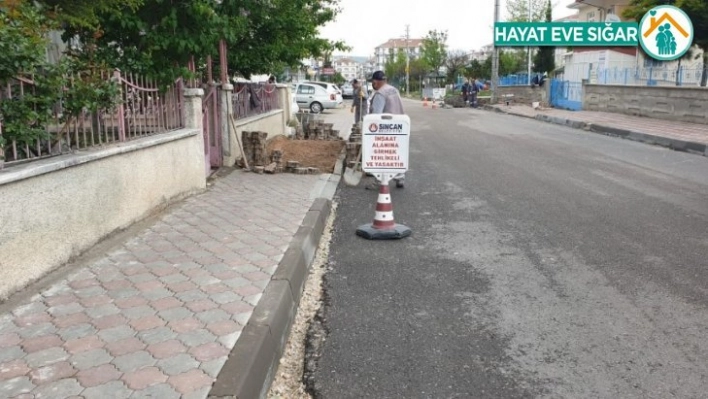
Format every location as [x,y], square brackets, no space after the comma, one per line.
[678,135]
[158,316]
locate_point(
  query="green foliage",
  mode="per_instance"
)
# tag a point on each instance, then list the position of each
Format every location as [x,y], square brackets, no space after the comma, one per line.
[263,35]
[434,50]
[22,29]
[477,69]
[338,78]
[518,10]
[85,13]
[545,58]
[395,66]
[22,43]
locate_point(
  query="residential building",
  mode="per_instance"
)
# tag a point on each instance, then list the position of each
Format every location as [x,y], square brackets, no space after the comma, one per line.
[585,62]
[621,65]
[348,68]
[383,51]
[562,54]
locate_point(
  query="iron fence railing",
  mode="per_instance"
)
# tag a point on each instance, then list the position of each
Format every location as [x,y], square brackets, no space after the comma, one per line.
[650,76]
[141,109]
[251,99]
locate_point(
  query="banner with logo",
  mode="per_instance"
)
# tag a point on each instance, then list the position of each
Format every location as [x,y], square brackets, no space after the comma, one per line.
[665,33]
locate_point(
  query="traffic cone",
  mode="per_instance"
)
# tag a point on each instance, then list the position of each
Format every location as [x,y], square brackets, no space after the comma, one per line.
[425,101]
[384,227]
[435,106]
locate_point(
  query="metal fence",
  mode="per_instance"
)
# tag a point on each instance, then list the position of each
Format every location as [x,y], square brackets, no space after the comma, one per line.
[251,99]
[141,109]
[519,79]
[650,76]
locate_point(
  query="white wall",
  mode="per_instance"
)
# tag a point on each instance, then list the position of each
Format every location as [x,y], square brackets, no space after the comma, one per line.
[53,210]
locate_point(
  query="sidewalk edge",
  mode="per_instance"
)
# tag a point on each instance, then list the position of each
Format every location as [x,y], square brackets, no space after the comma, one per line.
[674,144]
[250,368]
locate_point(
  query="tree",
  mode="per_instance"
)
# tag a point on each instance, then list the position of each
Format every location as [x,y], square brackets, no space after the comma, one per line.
[518,10]
[510,62]
[455,65]
[475,69]
[84,13]
[545,58]
[395,65]
[697,11]
[434,50]
[159,37]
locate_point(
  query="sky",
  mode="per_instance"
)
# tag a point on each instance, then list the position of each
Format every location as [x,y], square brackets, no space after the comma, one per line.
[468,22]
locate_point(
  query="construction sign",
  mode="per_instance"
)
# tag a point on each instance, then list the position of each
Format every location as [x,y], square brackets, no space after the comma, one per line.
[384,143]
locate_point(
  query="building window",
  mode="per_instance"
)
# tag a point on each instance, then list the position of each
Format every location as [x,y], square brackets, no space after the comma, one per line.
[591,16]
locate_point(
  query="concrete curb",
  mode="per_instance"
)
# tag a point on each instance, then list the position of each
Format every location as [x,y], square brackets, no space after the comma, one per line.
[674,144]
[250,368]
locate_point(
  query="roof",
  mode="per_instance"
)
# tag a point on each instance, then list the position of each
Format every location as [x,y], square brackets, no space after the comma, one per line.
[396,43]
[655,24]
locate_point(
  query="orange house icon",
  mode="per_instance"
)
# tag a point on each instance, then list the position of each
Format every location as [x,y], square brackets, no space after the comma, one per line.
[654,23]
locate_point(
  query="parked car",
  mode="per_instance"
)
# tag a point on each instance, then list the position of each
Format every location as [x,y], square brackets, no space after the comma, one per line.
[316,98]
[347,90]
[330,87]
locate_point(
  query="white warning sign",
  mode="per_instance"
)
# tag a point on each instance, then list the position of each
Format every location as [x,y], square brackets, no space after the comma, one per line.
[385,143]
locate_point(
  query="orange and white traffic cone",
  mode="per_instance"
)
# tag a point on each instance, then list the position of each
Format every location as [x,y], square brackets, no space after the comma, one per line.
[384,226]
[425,101]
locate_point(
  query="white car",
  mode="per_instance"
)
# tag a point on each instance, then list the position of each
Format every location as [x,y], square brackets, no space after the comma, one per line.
[331,88]
[347,90]
[316,98]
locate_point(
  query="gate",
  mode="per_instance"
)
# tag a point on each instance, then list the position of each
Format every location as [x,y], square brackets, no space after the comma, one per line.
[567,95]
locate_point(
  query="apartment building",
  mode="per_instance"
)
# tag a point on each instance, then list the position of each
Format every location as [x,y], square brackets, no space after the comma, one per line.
[384,50]
[348,68]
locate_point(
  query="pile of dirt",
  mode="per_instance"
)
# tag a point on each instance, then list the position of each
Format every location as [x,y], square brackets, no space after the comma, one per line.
[321,154]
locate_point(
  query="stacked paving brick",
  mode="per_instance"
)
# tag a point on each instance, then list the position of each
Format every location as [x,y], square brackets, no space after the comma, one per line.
[314,129]
[354,144]
[254,148]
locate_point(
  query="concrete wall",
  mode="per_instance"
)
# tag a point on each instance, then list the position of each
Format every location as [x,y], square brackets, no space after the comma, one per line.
[52,210]
[525,94]
[685,104]
[272,122]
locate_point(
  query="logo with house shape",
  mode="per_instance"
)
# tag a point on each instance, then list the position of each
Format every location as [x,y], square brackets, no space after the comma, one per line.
[666,33]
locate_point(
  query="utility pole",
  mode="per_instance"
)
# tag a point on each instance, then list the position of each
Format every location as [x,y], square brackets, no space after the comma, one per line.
[528,50]
[408,60]
[495,58]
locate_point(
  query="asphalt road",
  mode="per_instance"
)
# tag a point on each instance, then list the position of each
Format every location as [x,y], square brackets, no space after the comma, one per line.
[545,262]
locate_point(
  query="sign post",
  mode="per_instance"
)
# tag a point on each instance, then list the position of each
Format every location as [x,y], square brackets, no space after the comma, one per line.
[385,140]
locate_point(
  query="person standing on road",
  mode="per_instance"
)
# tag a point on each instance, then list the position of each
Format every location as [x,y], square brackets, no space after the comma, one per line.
[386,100]
[360,101]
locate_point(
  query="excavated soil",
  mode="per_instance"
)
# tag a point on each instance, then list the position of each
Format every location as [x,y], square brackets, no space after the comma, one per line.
[320,154]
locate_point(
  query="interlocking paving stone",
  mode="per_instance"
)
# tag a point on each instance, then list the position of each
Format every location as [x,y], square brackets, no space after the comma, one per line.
[157,316]
[100,375]
[113,389]
[89,359]
[58,389]
[15,386]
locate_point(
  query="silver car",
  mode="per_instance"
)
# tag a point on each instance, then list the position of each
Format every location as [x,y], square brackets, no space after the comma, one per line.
[347,90]
[316,98]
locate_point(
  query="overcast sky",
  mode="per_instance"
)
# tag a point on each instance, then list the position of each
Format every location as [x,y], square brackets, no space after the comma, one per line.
[364,24]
